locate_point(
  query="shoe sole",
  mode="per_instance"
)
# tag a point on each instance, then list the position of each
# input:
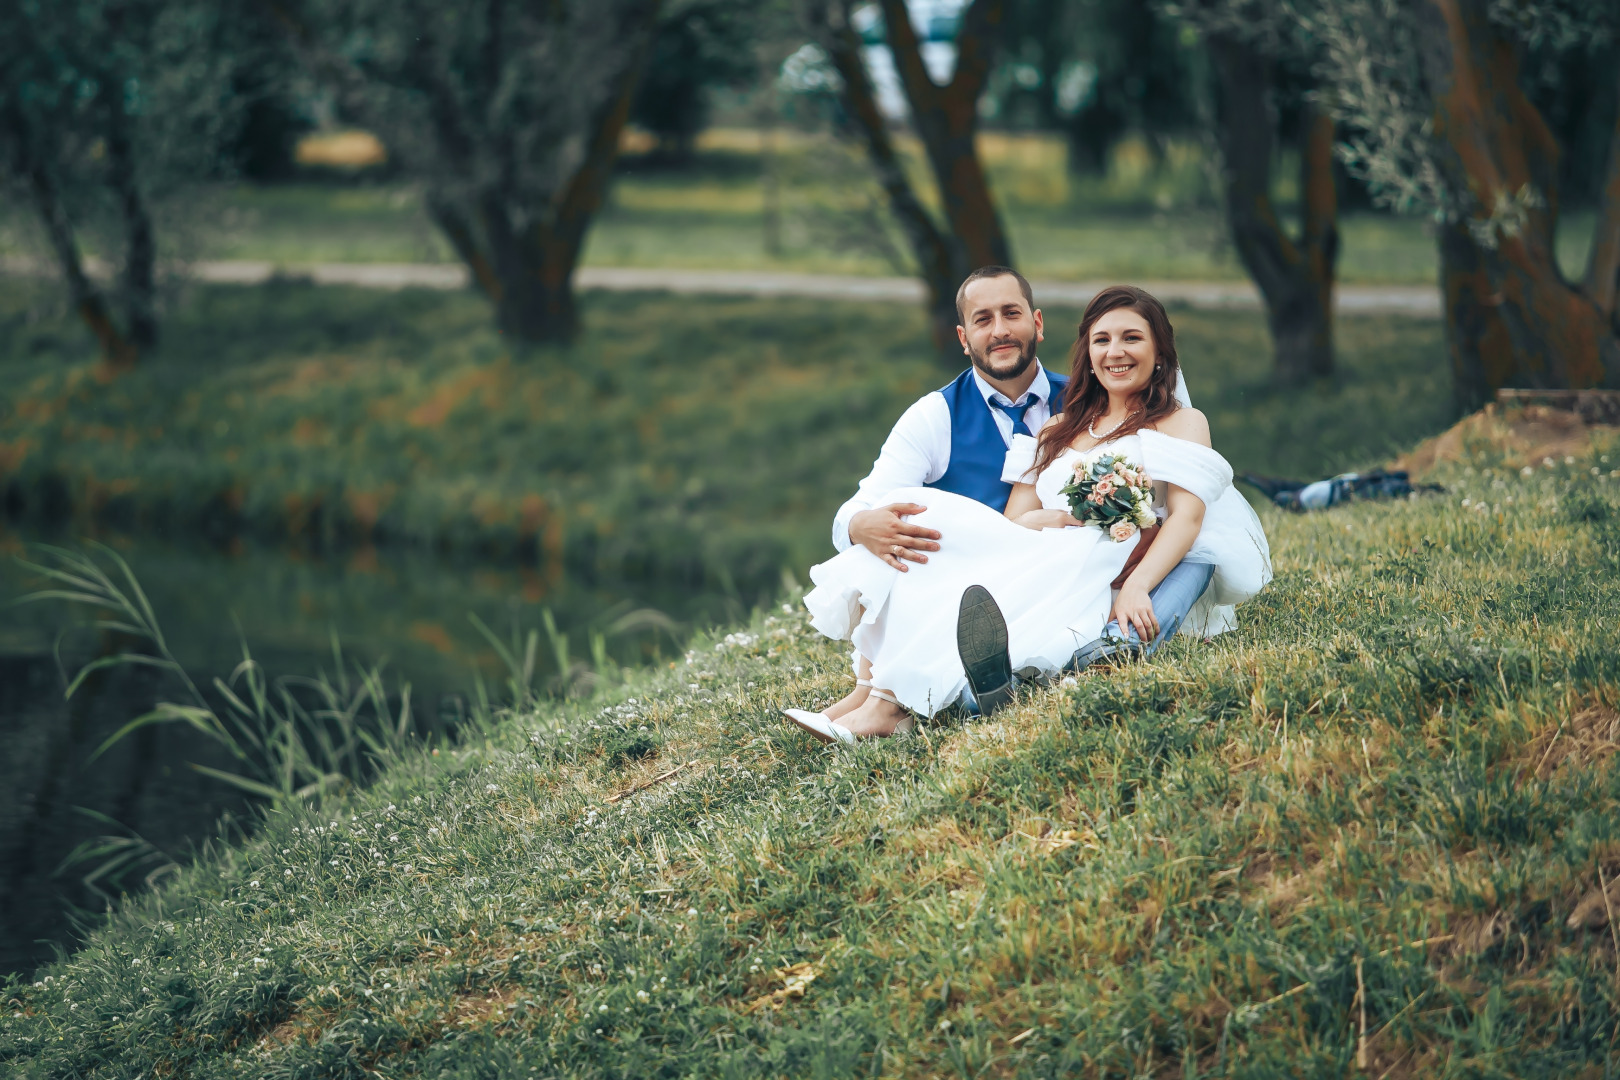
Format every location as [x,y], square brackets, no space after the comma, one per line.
[981,643]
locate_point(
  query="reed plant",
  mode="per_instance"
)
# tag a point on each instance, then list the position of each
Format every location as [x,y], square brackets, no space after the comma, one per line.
[1373,831]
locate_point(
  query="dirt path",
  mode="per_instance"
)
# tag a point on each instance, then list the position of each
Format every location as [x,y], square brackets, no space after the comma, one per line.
[1418,300]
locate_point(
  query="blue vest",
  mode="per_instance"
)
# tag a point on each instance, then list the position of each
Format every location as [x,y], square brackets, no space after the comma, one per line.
[977,451]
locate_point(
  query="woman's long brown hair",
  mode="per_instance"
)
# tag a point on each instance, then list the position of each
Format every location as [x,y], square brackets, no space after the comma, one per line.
[1085,401]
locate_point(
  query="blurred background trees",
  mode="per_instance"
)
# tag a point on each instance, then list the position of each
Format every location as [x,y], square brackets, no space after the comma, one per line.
[944,113]
[701,46]
[110,110]
[508,115]
[1450,117]
[506,121]
[1260,61]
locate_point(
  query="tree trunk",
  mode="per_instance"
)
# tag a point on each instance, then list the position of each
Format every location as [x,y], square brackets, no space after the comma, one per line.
[140,252]
[1295,278]
[551,248]
[1512,318]
[947,119]
[941,273]
[117,353]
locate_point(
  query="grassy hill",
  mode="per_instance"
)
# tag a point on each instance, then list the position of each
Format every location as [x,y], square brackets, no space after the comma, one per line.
[1364,833]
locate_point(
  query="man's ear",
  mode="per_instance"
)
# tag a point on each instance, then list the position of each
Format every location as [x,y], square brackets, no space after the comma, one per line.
[1040,334]
[961,335]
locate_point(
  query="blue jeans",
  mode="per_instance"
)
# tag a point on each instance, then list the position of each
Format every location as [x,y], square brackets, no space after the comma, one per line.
[1172,599]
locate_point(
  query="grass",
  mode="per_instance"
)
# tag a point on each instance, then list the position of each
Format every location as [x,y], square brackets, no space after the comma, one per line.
[1145,220]
[1366,832]
[698,442]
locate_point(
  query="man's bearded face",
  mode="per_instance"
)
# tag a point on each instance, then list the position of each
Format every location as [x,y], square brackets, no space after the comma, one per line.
[1005,357]
[999,330]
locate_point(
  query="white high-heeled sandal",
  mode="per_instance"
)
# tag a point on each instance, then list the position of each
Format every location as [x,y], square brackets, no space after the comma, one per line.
[821,725]
[906,725]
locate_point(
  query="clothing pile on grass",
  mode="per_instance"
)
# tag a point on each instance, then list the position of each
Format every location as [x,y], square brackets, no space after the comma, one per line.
[1302,495]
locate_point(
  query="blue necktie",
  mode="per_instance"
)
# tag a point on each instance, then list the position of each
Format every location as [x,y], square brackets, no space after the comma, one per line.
[1016,414]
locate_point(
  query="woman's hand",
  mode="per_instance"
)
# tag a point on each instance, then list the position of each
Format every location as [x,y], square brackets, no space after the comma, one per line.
[1047,519]
[1134,608]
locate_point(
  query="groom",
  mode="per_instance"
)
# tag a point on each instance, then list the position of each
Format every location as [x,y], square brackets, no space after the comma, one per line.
[956,439]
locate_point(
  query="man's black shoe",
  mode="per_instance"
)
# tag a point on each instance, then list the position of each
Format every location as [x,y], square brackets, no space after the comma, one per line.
[981,642]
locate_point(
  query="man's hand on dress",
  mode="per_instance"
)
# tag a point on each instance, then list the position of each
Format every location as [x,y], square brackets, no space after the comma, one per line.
[896,542]
[1047,519]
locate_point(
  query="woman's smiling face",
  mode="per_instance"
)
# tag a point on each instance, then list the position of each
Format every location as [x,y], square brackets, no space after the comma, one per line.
[1122,352]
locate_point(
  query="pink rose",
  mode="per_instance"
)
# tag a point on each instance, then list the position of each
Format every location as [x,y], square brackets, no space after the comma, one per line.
[1144,481]
[1095,497]
[1121,531]
[1105,488]
[1122,477]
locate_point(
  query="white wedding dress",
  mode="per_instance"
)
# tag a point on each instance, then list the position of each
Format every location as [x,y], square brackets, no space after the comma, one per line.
[1052,585]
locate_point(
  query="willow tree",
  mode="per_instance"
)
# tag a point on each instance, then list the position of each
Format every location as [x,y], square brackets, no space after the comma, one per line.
[509,115]
[968,231]
[1440,120]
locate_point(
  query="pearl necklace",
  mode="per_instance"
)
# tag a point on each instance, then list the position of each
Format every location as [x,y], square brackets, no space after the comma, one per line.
[1091,428]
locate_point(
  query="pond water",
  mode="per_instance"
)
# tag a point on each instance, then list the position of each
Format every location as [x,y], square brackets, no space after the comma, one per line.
[407,609]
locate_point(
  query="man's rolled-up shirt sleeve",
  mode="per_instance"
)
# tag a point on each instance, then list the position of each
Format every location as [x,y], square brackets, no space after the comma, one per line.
[917,452]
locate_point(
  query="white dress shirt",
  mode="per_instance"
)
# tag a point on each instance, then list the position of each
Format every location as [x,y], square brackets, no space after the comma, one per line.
[918,450]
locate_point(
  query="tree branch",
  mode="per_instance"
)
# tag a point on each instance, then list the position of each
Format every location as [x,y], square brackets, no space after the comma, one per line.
[460,234]
[921,90]
[927,242]
[1319,195]
[947,120]
[1244,132]
[1603,262]
[117,352]
[976,49]
[140,253]
[582,196]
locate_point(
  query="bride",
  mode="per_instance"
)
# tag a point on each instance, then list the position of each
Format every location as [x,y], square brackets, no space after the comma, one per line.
[1060,584]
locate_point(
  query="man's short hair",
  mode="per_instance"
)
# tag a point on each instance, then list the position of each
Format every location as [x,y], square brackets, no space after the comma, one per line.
[992,272]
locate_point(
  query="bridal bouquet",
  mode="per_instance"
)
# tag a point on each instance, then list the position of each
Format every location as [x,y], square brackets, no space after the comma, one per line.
[1110,492]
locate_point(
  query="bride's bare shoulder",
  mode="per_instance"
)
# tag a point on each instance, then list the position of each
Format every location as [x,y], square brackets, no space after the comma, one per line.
[1186,423]
[1051,421]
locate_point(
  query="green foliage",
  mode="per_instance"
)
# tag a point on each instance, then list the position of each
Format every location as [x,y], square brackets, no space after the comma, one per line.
[682,441]
[292,740]
[109,111]
[1373,821]
[701,45]
[1101,69]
